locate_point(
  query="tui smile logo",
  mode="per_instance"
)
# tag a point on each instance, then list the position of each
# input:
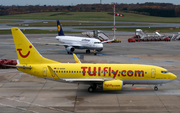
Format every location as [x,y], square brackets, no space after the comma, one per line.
[26,55]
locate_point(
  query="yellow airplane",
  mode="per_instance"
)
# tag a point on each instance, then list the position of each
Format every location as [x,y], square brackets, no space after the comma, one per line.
[105,76]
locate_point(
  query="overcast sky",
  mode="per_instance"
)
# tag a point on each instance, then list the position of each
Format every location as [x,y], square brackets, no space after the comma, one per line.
[75,2]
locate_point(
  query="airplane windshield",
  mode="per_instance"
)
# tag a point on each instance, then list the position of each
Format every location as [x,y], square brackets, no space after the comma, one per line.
[97,42]
[164,72]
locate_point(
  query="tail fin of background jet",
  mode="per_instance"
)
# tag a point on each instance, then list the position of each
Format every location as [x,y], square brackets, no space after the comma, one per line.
[59,27]
[26,52]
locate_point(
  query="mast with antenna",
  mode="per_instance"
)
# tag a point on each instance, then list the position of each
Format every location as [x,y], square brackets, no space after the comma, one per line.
[114,22]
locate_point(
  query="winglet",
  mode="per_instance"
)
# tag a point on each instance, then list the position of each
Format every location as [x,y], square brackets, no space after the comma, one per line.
[76,59]
[54,76]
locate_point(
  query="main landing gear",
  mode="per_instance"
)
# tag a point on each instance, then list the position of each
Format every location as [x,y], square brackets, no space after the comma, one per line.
[92,88]
[87,51]
[155,88]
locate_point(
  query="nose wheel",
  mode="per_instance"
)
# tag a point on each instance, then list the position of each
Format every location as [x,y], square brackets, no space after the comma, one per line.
[95,52]
[155,88]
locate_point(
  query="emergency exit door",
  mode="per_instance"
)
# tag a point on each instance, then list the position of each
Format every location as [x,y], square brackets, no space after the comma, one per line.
[44,71]
[153,73]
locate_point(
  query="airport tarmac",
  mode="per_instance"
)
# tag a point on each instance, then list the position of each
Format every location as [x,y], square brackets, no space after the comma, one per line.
[21,92]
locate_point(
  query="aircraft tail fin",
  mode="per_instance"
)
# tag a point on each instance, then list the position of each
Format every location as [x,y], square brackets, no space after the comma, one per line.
[59,27]
[26,52]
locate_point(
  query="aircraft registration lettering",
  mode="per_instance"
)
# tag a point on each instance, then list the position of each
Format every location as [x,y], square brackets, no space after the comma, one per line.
[123,73]
[85,40]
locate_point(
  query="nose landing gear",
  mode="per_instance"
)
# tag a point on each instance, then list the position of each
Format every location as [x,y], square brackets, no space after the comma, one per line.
[155,88]
[95,52]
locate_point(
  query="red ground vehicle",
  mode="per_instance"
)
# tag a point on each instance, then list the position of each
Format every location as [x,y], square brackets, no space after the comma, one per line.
[137,38]
[167,39]
[4,62]
[131,40]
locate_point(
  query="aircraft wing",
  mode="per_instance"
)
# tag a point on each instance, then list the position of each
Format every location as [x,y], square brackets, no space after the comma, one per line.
[84,80]
[56,77]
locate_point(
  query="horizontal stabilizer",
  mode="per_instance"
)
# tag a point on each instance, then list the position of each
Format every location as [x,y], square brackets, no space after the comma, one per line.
[24,67]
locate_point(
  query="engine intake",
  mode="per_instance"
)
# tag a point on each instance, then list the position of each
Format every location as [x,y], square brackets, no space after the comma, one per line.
[70,49]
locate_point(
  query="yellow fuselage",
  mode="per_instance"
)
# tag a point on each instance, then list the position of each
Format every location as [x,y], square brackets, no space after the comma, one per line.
[129,73]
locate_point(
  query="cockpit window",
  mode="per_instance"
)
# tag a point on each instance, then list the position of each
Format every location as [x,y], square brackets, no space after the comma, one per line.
[97,42]
[164,72]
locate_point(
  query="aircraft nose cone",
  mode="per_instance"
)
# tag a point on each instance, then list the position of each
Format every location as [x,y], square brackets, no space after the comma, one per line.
[173,76]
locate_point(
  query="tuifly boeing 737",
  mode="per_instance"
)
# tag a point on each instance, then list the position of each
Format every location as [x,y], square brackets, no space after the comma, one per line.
[105,76]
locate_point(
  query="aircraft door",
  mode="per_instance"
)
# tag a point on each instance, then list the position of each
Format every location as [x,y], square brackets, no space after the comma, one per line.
[153,73]
[44,71]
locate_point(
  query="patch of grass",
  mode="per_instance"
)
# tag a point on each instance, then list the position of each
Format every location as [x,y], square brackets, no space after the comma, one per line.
[53,24]
[33,31]
[5,31]
[7,21]
[93,16]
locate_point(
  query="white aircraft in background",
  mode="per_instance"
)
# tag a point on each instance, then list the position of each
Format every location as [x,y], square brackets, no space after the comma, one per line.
[71,42]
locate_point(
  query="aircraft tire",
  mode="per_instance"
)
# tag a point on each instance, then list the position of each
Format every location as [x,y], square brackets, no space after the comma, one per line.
[91,89]
[87,51]
[155,88]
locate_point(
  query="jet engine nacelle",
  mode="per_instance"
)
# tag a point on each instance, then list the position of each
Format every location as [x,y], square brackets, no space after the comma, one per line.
[113,85]
[70,49]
